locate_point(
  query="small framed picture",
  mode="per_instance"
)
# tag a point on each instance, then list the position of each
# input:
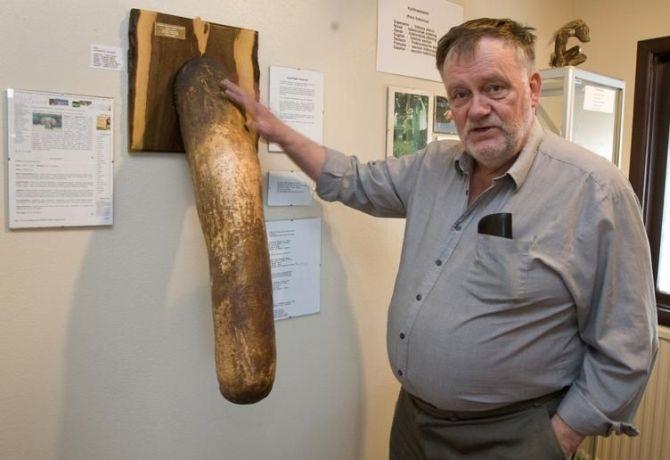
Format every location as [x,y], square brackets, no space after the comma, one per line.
[409,121]
[443,124]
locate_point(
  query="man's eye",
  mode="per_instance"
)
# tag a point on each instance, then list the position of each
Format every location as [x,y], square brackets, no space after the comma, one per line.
[495,91]
[458,97]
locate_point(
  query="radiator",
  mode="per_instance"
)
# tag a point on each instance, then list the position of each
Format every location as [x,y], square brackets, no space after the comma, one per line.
[652,419]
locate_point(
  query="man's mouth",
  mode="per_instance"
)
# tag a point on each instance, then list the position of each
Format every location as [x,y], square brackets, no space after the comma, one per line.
[482,129]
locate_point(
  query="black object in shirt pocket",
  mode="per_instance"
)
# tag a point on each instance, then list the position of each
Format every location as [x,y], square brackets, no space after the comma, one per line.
[499,224]
[499,270]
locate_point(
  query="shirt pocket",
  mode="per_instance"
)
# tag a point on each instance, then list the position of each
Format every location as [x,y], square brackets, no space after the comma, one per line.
[499,269]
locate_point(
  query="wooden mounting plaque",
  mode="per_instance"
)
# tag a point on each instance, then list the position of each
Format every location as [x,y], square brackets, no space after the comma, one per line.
[159,44]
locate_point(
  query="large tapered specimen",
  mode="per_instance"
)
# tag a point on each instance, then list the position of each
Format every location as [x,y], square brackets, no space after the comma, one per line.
[222,156]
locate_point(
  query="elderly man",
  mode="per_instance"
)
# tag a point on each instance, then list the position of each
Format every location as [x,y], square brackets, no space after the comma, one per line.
[523,314]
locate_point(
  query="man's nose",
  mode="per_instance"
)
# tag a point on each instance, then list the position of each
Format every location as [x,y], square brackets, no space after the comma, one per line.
[479,106]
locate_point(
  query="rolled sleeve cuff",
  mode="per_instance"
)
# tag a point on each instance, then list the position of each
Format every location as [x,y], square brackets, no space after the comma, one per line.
[334,168]
[586,419]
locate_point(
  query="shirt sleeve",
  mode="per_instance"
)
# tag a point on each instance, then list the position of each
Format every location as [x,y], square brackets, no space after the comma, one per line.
[612,284]
[378,188]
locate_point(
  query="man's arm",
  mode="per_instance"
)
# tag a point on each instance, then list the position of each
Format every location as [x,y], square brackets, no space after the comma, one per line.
[378,188]
[612,283]
[307,154]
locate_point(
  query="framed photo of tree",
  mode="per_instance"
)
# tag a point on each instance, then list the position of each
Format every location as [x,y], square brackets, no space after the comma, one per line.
[409,123]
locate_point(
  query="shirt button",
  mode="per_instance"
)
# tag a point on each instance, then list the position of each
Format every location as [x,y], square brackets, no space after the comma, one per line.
[402,335]
[438,262]
[399,372]
[418,297]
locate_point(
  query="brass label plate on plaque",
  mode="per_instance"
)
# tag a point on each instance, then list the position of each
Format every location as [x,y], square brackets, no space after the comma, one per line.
[159,45]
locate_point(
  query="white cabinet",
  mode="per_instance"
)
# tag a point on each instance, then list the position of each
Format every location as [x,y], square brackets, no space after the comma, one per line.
[585,108]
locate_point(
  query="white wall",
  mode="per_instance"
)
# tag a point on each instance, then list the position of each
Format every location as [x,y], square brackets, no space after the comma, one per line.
[106,347]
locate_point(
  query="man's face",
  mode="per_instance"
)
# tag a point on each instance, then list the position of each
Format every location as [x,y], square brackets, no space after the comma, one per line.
[492,100]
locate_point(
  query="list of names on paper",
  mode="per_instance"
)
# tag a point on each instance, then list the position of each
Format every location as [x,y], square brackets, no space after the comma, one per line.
[414,34]
[408,32]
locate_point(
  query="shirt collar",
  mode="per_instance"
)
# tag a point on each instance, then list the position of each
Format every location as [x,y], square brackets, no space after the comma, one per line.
[463,162]
[520,168]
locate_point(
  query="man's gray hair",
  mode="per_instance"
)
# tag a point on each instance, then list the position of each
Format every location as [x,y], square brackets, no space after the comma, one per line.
[463,39]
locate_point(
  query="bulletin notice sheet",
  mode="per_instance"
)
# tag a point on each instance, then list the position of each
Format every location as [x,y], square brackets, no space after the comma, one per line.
[60,159]
[408,32]
[295,261]
[296,98]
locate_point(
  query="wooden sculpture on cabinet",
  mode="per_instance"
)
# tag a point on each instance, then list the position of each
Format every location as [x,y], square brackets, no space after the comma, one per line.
[563,56]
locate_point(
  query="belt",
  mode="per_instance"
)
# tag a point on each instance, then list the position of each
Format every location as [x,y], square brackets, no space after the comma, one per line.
[472,415]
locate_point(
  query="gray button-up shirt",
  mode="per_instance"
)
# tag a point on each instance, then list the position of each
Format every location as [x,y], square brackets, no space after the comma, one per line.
[479,321]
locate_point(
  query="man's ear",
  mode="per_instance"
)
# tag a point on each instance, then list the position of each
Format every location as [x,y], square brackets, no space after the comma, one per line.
[535,82]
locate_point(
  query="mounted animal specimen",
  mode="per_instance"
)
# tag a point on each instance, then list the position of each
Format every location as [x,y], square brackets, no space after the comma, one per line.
[226,177]
[222,157]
